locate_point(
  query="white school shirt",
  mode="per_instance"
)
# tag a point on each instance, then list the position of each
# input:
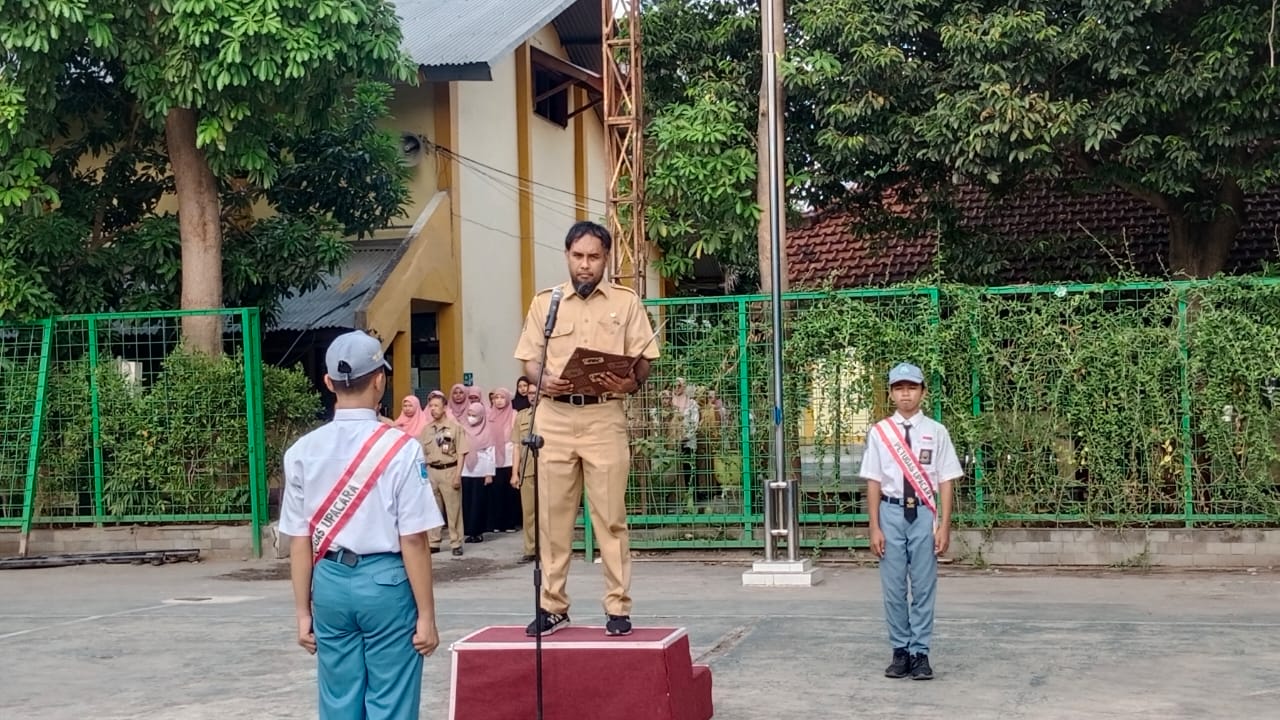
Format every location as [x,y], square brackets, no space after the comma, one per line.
[930,441]
[401,503]
[484,465]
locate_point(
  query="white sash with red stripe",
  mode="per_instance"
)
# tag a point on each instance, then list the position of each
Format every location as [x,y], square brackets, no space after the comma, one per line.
[354,486]
[912,471]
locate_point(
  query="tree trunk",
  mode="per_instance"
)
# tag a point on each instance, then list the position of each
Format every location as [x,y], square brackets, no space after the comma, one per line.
[1201,249]
[764,243]
[200,225]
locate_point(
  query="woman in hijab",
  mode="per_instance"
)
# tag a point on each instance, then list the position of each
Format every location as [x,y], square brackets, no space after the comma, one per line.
[458,401]
[477,472]
[521,399]
[476,395]
[505,514]
[687,410]
[412,418]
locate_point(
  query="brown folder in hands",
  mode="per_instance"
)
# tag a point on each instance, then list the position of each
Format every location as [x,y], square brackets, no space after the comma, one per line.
[586,368]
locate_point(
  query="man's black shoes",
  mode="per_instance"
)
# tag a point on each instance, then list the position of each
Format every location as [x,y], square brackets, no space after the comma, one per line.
[618,625]
[920,669]
[901,665]
[548,622]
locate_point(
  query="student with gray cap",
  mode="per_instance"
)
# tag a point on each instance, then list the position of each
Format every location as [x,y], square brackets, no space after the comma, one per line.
[357,505]
[909,465]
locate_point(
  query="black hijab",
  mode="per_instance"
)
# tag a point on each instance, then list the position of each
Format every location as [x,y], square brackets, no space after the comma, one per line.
[520,401]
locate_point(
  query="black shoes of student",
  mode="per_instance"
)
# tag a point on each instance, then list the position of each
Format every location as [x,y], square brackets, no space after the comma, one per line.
[457,552]
[901,665]
[920,669]
[547,623]
[526,559]
[618,626]
[475,538]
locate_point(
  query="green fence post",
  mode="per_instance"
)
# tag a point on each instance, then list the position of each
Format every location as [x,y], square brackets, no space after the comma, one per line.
[249,326]
[37,423]
[96,423]
[975,394]
[255,322]
[744,416]
[1184,353]
[935,373]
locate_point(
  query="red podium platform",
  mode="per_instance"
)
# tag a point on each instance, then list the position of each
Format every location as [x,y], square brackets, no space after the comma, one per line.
[647,675]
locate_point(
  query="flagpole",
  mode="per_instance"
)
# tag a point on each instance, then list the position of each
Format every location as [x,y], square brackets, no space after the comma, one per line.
[781,511]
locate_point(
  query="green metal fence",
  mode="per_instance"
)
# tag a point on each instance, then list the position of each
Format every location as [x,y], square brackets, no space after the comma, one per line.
[1123,404]
[105,419]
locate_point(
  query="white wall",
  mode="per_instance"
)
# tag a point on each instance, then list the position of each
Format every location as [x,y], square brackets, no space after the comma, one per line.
[553,191]
[493,310]
[490,220]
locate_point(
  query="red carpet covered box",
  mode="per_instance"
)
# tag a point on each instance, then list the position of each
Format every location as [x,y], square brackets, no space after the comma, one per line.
[647,675]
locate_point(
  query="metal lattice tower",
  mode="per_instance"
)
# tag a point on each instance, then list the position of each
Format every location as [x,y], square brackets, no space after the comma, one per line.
[624,141]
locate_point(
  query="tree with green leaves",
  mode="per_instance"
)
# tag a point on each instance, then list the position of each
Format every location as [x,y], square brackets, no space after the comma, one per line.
[207,99]
[704,116]
[701,61]
[1175,102]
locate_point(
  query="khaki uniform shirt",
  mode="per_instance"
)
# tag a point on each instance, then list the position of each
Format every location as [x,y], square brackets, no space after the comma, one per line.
[444,442]
[611,320]
[519,432]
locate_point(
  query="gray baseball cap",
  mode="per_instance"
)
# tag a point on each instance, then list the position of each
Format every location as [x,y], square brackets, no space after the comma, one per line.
[353,355]
[905,372]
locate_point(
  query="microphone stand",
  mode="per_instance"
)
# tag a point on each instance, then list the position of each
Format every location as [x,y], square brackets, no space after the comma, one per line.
[532,444]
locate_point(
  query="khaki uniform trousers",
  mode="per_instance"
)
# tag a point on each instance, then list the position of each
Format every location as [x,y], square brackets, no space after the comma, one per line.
[589,446]
[526,507]
[450,501]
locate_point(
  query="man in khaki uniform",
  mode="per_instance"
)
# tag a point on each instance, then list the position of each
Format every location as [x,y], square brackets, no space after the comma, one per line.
[586,439]
[522,479]
[446,446]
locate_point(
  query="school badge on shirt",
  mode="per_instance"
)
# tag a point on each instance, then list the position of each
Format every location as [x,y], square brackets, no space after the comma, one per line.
[422,471]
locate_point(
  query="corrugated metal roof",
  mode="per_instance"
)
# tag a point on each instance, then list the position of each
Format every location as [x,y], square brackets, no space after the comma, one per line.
[470,34]
[334,303]
[579,28]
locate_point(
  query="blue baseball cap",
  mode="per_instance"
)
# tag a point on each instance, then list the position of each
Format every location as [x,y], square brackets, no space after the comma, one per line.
[905,372]
[353,355]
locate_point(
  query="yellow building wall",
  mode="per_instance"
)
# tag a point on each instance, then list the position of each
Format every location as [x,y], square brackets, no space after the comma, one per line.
[836,413]
[412,110]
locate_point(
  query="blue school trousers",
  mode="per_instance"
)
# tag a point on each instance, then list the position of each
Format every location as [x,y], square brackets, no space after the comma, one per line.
[364,618]
[908,555]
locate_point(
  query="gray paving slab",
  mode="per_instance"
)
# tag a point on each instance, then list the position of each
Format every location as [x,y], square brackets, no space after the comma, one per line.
[103,642]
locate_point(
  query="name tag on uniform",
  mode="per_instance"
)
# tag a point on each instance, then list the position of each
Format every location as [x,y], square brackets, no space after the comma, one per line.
[926,457]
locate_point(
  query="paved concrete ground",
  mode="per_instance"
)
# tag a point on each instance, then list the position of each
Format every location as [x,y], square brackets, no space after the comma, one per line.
[101,642]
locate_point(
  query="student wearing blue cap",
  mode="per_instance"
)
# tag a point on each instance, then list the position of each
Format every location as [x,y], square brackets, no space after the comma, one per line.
[909,465]
[358,507]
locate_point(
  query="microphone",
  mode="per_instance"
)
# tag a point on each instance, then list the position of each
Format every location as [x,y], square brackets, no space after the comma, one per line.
[551,312]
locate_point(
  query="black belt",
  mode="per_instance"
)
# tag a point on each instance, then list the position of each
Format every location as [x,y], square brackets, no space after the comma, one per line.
[348,558]
[578,400]
[891,500]
[443,466]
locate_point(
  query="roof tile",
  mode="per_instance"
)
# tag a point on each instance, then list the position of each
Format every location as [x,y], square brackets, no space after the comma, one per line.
[1109,228]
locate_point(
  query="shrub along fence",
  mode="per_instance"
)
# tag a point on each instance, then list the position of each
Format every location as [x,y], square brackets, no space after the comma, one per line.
[1087,405]
[106,419]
